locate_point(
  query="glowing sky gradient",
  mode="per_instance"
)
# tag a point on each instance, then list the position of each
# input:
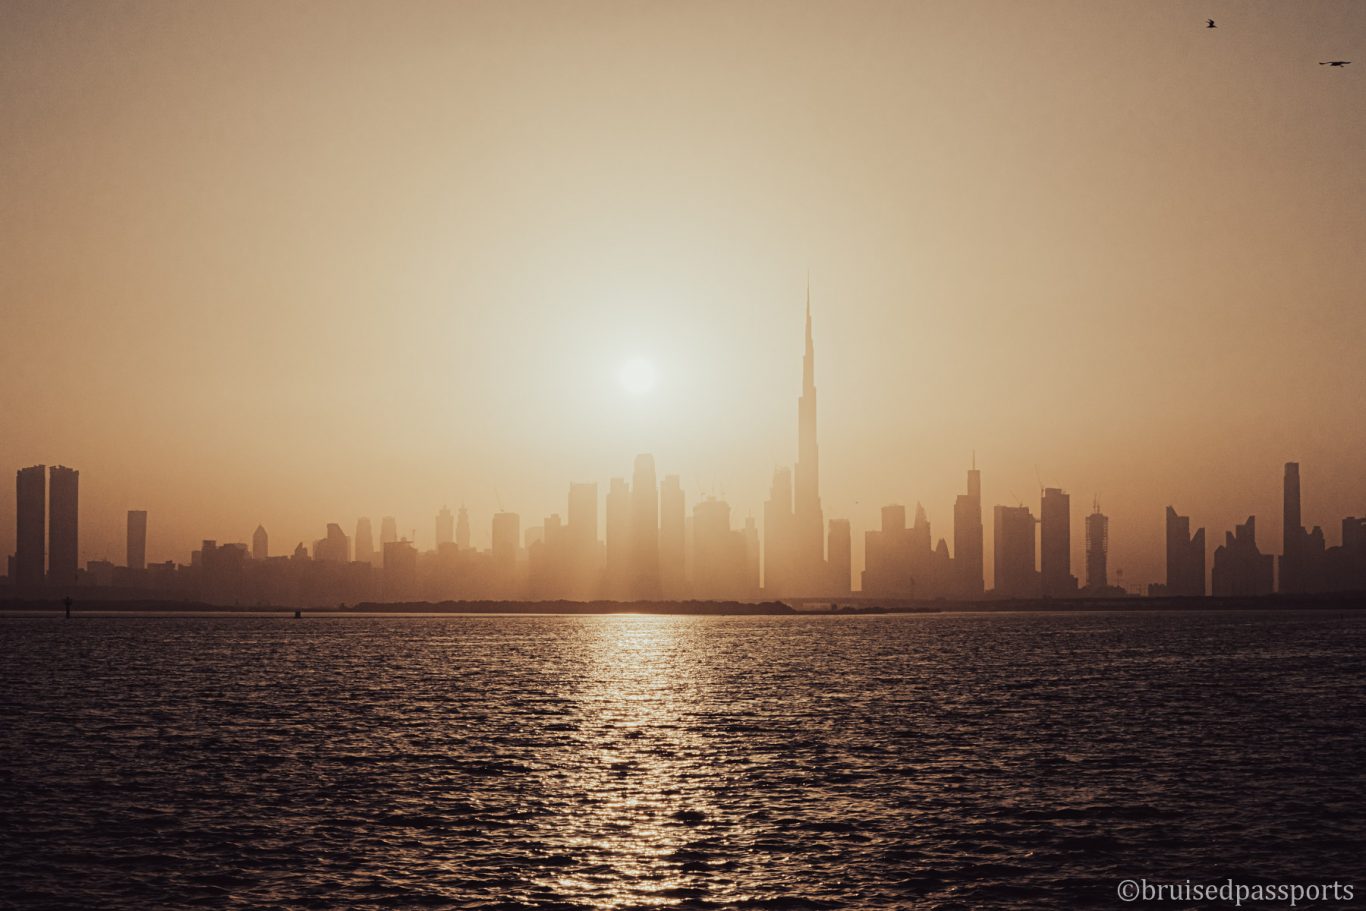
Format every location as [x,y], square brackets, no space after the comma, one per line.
[295,263]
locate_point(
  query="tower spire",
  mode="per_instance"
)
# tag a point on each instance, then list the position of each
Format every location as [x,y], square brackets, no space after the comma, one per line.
[809,360]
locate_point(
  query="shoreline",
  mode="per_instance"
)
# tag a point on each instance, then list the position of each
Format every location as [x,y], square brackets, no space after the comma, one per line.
[856,606]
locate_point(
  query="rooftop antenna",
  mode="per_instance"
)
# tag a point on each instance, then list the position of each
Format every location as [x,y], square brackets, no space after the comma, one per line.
[499,498]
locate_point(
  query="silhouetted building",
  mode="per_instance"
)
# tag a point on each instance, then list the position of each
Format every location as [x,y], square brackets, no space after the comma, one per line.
[1345,565]
[644,529]
[584,552]
[365,542]
[1097,550]
[1185,558]
[137,539]
[779,536]
[445,527]
[462,529]
[718,552]
[809,575]
[1055,545]
[31,532]
[62,525]
[1240,569]
[388,530]
[1303,552]
[506,531]
[400,571]
[886,556]
[672,541]
[839,550]
[618,538]
[260,544]
[1016,576]
[967,538]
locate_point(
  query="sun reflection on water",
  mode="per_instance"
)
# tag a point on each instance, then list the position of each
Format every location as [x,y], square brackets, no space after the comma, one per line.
[641,800]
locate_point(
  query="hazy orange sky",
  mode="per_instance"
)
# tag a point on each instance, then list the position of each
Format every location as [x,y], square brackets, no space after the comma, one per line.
[293,263]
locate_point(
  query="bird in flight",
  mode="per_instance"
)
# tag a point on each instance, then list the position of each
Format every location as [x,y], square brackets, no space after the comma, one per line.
[1334,62]
[1209,23]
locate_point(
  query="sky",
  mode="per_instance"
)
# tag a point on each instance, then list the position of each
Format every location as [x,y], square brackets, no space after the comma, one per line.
[294,263]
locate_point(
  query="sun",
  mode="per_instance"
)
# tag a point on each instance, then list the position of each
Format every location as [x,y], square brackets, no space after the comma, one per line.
[637,376]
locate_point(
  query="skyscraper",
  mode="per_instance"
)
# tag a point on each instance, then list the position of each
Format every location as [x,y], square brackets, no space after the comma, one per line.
[1185,558]
[1303,553]
[1055,545]
[335,548]
[365,541]
[967,537]
[260,543]
[779,536]
[31,519]
[63,524]
[618,537]
[388,534]
[462,528]
[445,527]
[1016,576]
[581,536]
[718,552]
[1097,549]
[137,539]
[808,552]
[644,529]
[672,541]
[1240,568]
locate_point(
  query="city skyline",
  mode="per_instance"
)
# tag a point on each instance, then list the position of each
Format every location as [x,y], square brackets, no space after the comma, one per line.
[231,304]
[651,549]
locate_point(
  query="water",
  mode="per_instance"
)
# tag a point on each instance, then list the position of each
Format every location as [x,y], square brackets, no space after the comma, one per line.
[943,761]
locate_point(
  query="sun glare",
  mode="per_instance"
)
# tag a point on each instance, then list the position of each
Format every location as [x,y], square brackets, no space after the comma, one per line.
[637,376]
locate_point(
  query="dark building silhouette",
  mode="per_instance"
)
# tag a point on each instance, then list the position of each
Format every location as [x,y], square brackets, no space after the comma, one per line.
[1303,553]
[1345,565]
[31,532]
[644,580]
[506,530]
[1240,569]
[718,552]
[839,551]
[364,542]
[1055,545]
[584,569]
[1097,550]
[335,548]
[1185,558]
[260,544]
[779,536]
[1016,576]
[62,525]
[462,529]
[137,539]
[887,566]
[672,538]
[618,549]
[388,532]
[400,569]
[967,538]
[808,553]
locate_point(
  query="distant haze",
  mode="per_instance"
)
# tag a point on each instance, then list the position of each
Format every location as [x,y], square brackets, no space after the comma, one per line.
[297,263]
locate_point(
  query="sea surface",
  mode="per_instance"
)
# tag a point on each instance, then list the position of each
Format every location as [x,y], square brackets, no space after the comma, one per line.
[927,761]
